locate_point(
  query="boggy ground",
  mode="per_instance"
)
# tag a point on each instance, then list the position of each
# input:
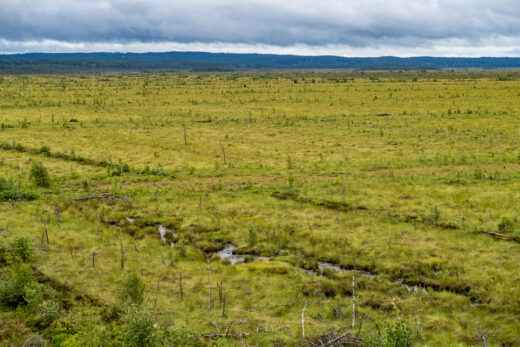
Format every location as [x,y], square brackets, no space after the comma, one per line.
[406,181]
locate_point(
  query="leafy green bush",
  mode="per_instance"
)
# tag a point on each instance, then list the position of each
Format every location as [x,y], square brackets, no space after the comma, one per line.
[5,185]
[133,289]
[13,285]
[117,169]
[48,312]
[33,295]
[21,248]
[139,328]
[45,150]
[399,335]
[90,330]
[39,175]
[395,335]
[506,225]
[11,195]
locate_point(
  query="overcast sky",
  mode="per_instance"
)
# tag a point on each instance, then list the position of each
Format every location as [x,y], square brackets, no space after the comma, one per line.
[339,27]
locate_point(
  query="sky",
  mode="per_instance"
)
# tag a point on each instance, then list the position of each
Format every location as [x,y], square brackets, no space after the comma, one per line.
[352,28]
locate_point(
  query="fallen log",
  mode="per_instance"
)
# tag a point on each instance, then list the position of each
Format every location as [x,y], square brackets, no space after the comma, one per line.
[216,336]
[104,196]
[331,339]
[495,234]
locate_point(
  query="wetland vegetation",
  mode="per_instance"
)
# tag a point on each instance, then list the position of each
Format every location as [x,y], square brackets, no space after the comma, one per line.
[260,208]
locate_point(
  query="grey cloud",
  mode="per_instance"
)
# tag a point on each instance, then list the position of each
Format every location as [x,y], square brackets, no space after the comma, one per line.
[282,23]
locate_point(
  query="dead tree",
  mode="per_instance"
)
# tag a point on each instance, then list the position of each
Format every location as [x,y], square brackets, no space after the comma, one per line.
[353,303]
[19,189]
[303,318]
[122,255]
[223,152]
[156,294]
[308,222]
[220,293]
[180,285]
[57,214]
[45,229]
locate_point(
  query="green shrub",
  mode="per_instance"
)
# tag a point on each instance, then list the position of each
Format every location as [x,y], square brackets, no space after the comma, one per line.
[506,225]
[33,295]
[5,185]
[92,331]
[395,335]
[399,335]
[21,248]
[13,285]
[39,175]
[10,195]
[139,328]
[48,312]
[45,150]
[133,289]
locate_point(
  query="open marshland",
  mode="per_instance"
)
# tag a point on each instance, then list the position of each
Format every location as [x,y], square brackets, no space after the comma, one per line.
[370,208]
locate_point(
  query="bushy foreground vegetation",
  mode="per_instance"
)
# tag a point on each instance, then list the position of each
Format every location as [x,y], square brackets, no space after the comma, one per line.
[320,209]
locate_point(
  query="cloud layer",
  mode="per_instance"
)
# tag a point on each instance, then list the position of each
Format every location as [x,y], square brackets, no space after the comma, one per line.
[347,27]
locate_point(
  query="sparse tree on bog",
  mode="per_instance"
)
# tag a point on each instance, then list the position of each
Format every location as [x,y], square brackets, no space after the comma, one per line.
[39,175]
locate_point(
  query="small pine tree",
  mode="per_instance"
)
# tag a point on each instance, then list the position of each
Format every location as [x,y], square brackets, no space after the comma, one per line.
[253,238]
[21,248]
[39,175]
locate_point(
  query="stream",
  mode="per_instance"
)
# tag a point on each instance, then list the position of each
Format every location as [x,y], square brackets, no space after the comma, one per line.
[162,231]
[227,253]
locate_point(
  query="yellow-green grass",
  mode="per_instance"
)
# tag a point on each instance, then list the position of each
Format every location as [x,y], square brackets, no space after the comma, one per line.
[400,177]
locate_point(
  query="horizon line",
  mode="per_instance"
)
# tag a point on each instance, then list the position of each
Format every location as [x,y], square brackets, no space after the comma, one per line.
[2,54]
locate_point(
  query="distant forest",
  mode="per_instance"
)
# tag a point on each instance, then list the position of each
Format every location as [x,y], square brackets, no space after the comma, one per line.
[41,63]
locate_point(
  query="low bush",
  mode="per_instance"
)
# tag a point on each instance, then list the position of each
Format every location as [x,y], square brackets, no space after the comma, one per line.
[20,248]
[45,150]
[132,289]
[506,225]
[39,175]
[13,285]
[48,312]
[398,334]
[139,328]
[6,185]
[13,195]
